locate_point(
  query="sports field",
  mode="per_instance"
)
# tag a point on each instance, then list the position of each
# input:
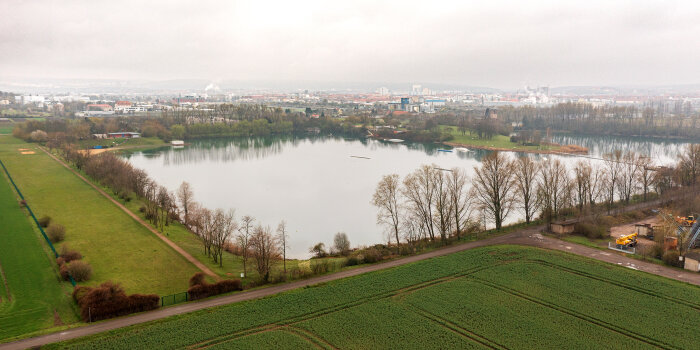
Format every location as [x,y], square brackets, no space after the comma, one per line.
[118,248]
[31,295]
[491,297]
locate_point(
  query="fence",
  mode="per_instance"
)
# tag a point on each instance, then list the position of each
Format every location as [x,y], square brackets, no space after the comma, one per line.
[41,229]
[174,299]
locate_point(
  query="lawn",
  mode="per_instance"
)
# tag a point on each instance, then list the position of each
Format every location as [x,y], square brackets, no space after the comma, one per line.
[35,291]
[6,128]
[489,297]
[118,248]
[497,141]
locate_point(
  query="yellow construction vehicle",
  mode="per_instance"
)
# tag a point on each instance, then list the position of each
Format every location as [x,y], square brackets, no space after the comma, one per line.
[685,220]
[626,241]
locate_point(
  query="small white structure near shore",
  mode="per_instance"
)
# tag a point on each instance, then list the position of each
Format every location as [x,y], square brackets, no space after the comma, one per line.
[177,143]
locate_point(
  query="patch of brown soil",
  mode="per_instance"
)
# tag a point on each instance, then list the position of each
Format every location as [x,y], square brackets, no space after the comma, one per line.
[57,319]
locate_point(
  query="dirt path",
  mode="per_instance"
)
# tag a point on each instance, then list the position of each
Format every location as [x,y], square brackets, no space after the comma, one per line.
[625,229]
[177,248]
[526,237]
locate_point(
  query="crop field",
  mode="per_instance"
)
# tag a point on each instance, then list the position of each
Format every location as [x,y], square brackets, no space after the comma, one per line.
[118,248]
[31,295]
[491,297]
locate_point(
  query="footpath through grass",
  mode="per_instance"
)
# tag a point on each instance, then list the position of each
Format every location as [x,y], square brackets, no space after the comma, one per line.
[34,290]
[490,297]
[118,248]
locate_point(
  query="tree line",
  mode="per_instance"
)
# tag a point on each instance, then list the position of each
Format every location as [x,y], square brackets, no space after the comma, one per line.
[435,204]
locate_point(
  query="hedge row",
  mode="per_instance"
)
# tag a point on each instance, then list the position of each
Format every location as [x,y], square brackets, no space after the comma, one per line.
[109,300]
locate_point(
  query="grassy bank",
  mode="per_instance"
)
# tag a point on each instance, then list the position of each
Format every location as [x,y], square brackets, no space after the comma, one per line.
[118,248]
[32,296]
[498,297]
[497,142]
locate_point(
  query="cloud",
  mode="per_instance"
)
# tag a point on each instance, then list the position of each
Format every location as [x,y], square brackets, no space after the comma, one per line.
[499,43]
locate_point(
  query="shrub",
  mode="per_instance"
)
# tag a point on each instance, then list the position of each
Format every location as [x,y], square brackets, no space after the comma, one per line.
[63,270]
[60,261]
[372,255]
[590,230]
[109,300]
[319,250]
[44,221]
[142,209]
[22,203]
[352,261]
[79,292]
[80,270]
[204,289]
[299,273]
[198,278]
[56,232]
[70,255]
[320,267]
[657,250]
[671,258]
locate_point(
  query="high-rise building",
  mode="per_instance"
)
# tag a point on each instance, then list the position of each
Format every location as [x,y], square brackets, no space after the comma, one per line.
[383,91]
[416,90]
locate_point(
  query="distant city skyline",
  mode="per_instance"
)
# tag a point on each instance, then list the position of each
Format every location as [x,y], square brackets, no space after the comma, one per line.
[499,44]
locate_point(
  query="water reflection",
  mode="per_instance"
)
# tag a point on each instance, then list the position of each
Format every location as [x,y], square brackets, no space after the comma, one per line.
[663,151]
[323,185]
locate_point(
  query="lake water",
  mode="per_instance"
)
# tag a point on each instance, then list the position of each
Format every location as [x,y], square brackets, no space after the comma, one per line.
[317,185]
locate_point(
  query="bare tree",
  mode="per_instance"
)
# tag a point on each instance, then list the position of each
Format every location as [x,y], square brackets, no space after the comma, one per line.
[526,170]
[265,250]
[207,226]
[419,190]
[224,226]
[282,237]
[645,175]
[460,201]
[553,187]
[341,243]
[629,168]
[582,179]
[386,198]
[443,210]
[493,187]
[612,163]
[689,165]
[245,232]
[186,197]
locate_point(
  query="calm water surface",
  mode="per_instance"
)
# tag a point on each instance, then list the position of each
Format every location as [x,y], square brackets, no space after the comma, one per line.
[314,183]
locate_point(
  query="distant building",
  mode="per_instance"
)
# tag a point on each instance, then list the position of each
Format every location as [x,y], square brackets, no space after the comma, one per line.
[103,107]
[383,91]
[124,135]
[692,261]
[416,90]
[121,106]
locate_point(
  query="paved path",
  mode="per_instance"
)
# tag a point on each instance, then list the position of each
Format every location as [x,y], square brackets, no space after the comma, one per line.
[177,248]
[527,237]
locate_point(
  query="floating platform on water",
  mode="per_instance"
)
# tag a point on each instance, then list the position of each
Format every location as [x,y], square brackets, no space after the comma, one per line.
[361,157]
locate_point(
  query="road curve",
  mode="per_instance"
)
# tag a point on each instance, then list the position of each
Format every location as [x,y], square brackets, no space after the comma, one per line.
[526,237]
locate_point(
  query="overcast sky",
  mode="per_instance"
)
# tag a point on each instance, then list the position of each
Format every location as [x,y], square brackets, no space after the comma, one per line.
[500,44]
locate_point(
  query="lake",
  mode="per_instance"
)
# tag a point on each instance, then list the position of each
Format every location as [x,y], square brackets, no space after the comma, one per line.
[317,184]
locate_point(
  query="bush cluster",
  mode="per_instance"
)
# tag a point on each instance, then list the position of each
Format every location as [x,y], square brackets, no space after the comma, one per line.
[69,264]
[591,230]
[69,255]
[56,232]
[671,258]
[109,300]
[200,288]
[44,221]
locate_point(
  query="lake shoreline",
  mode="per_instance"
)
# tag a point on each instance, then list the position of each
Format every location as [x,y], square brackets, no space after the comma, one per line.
[577,150]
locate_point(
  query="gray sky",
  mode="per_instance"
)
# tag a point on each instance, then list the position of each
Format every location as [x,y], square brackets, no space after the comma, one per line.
[503,44]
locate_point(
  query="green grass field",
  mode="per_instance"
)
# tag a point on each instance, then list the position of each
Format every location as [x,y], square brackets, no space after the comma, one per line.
[34,290]
[6,128]
[118,248]
[498,141]
[490,297]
